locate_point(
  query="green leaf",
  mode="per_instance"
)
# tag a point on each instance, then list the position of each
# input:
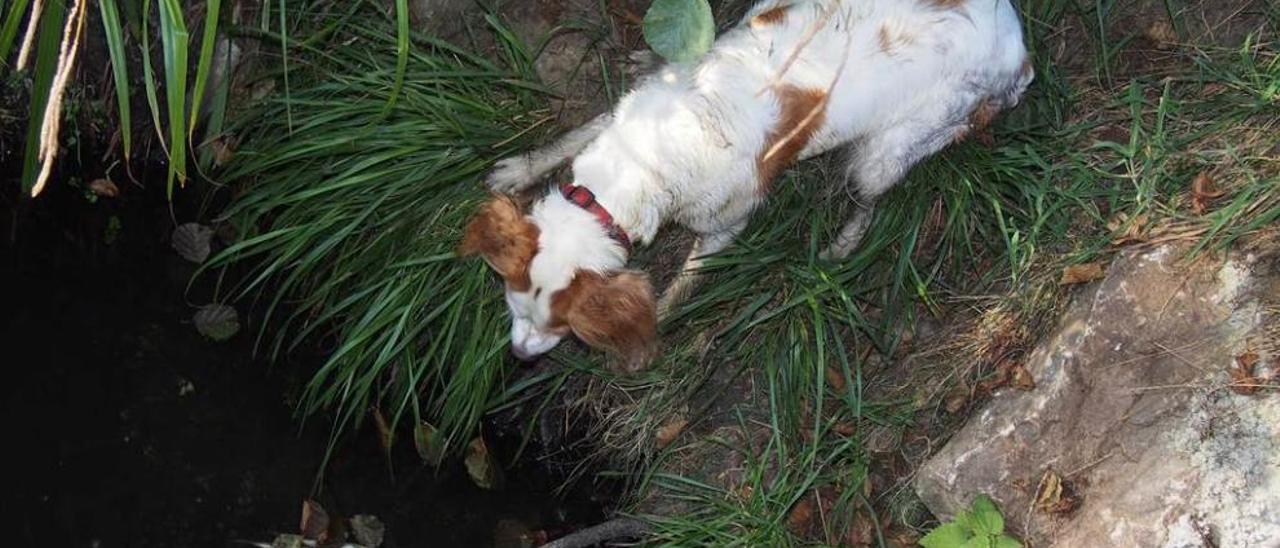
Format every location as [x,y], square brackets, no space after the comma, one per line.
[679,30]
[119,68]
[964,519]
[205,61]
[947,535]
[1006,541]
[174,40]
[9,30]
[986,517]
[980,541]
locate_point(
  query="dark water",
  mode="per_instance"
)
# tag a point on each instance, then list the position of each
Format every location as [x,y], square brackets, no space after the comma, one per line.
[123,427]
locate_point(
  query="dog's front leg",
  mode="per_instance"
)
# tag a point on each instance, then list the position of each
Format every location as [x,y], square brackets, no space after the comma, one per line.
[520,172]
[690,273]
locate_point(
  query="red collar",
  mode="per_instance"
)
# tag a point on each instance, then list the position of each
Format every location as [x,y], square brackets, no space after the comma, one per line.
[585,199]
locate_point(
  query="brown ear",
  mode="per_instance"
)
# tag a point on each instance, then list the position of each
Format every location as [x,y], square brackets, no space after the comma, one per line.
[504,238]
[614,312]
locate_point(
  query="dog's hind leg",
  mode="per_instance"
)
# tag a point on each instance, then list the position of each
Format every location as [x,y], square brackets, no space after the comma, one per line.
[852,232]
[520,172]
[882,162]
[690,273]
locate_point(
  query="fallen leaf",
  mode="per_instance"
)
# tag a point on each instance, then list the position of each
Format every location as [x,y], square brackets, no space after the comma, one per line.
[1125,230]
[668,432]
[430,446]
[1021,378]
[1243,380]
[384,430]
[956,401]
[1203,191]
[104,187]
[315,522]
[224,149]
[801,517]
[835,379]
[844,428]
[288,541]
[1162,34]
[861,531]
[369,531]
[1081,273]
[218,322]
[1054,495]
[191,241]
[481,466]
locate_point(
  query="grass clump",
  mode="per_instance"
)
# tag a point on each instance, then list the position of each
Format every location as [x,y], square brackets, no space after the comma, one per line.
[355,185]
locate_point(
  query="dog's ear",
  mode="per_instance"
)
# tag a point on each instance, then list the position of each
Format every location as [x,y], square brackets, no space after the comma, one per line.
[614,312]
[506,240]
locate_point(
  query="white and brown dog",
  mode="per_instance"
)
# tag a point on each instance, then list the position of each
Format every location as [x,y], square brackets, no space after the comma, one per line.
[893,81]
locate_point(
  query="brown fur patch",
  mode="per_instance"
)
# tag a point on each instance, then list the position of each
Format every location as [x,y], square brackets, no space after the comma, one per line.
[506,240]
[802,112]
[890,41]
[614,312]
[771,16]
[1027,68]
[980,120]
[946,4]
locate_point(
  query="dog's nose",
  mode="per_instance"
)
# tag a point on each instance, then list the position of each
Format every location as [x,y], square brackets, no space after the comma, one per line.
[522,355]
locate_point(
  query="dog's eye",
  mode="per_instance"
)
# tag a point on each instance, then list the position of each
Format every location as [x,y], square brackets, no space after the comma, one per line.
[536,292]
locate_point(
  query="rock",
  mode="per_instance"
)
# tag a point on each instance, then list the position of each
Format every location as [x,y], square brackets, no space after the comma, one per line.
[1131,411]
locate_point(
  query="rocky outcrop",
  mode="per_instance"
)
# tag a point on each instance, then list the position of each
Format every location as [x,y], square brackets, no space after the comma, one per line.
[1136,415]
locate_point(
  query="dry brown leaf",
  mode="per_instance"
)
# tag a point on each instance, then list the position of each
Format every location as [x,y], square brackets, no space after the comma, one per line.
[1081,273]
[315,522]
[1020,378]
[104,187]
[844,428]
[668,432]
[481,465]
[428,442]
[384,430]
[1162,34]
[1203,191]
[801,517]
[1055,495]
[1243,380]
[861,531]
[224,148]
[1125,230]
[835,379]
[956,401]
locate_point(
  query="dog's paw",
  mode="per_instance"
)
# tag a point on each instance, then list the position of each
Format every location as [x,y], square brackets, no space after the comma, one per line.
[511,175]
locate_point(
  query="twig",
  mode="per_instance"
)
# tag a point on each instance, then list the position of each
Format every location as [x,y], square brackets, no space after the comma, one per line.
[615,528]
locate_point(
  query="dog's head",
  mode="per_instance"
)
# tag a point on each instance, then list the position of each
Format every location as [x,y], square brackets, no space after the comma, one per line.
[551,296]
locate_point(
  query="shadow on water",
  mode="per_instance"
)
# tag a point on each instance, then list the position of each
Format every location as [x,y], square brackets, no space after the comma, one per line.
[125,428]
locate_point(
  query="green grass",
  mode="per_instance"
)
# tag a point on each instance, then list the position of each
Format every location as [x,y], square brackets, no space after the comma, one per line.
[354,185]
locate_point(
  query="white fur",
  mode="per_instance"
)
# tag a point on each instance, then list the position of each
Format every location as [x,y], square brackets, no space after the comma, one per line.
[683,146]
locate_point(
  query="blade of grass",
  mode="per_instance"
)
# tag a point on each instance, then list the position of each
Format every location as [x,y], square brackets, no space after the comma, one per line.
[9,30]
[213,9]
[119,69]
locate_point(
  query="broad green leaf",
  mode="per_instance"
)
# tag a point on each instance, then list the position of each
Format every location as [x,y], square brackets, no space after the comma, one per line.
[986,517]
[174,40]
[679,30]
[947,535]
[980,541]
[1006,541]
